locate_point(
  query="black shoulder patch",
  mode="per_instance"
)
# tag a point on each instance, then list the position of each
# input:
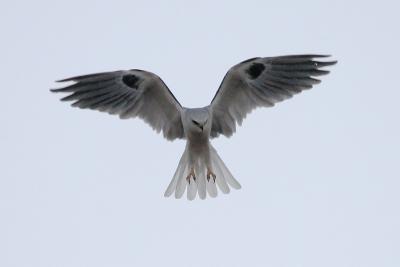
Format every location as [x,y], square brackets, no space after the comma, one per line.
[131,80]
[255,70]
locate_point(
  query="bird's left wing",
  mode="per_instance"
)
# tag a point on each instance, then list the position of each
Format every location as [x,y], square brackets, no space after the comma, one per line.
[261,82]
[129,94]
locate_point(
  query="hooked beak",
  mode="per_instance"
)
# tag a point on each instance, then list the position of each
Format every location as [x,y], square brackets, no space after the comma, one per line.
[201,126]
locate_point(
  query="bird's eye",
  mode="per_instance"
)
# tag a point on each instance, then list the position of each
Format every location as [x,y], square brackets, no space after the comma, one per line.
[195,122]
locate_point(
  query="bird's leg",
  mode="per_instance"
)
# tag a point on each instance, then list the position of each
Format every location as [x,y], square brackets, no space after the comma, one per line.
[210,174]
[191,174]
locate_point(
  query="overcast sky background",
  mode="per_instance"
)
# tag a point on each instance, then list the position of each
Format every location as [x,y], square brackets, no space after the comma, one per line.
[319,173]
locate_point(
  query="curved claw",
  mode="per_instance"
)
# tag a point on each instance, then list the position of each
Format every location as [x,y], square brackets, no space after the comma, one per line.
[191,174]
[211,174]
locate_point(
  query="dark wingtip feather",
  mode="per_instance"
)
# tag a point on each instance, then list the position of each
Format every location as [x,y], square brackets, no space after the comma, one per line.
[68,97]
[309,56]
[313,55]
[321,64]
[321,55]
[73,79]
[87,76]
[63,89]
[319,72]
[60,90]
[57,90]
[63,80]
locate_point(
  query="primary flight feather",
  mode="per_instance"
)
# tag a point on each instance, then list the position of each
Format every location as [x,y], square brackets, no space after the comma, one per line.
[256,82]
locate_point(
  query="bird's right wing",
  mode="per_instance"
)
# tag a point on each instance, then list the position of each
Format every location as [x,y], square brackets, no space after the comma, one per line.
[261,82]
[131,93]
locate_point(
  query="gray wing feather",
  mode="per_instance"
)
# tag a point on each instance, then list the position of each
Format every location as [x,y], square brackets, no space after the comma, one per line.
[261,82]
[129,94]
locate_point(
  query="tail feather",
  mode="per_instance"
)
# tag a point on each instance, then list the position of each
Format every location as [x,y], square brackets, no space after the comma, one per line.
[178,173]
[191,190]
[224,179]
[225,171]
[201,183]
[181,186]
[212,189]
[222,184]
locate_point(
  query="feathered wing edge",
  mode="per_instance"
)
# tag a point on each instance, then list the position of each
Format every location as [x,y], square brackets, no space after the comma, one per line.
[262,82]
[128,94]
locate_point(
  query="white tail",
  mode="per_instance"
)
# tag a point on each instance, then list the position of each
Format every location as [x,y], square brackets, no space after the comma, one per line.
[223,177]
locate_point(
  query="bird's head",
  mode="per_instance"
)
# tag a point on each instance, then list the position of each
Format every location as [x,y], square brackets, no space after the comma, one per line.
[198,120]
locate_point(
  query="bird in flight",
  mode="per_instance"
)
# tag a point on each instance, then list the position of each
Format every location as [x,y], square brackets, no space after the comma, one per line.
[253,83]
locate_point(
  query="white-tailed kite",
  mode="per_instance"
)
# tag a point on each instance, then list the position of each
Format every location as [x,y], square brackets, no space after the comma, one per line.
[256,82]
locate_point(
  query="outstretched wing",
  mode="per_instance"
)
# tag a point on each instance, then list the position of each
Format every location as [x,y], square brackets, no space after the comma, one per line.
[261,82]
[129,94]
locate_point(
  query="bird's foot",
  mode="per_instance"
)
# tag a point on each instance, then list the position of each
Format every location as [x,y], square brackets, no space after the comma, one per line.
[191,174]
[210,174]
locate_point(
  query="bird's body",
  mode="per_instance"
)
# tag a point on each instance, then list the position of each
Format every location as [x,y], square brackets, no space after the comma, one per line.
[197,134]
[257,82]
[200,167]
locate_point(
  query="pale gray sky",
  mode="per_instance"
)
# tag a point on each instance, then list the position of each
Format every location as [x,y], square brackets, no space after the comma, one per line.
[82,188]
